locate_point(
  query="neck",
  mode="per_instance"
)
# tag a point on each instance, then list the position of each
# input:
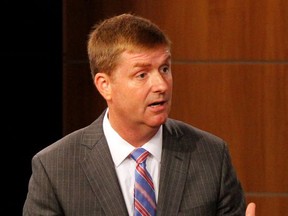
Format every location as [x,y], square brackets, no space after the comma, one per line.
[136,136]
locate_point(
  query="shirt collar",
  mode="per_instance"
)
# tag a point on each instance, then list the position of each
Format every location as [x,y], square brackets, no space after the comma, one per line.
[122,150]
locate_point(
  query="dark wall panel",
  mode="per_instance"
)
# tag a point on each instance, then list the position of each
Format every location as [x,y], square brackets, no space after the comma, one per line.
[230,69]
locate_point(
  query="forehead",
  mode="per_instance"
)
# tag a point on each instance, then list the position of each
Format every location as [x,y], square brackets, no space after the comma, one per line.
[140,54]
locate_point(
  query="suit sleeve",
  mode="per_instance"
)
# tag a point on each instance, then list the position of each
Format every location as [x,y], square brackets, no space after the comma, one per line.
[231,196]
[41,199]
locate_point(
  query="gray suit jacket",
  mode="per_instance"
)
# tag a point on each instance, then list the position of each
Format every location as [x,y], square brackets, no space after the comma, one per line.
[76,176]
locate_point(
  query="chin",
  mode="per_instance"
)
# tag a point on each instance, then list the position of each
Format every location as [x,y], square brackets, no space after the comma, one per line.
[158,122]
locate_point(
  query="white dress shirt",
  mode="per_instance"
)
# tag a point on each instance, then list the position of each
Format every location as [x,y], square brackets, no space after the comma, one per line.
[125,166]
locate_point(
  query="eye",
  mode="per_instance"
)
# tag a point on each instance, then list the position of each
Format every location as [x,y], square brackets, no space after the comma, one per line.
[141,75]
[165,69]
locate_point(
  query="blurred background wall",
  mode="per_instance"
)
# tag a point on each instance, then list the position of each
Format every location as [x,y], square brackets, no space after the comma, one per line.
[230,69]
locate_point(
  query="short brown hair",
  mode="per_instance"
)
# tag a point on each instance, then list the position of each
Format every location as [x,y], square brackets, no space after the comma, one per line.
[109,38]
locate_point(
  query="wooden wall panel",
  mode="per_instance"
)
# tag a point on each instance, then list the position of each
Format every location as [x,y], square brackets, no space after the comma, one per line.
[81,101]
[222,30]
[79,17]
[230,67]
[201,30]
[247,106]
[269,204]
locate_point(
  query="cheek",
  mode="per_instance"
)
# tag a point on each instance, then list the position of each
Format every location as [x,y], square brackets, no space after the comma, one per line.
[130,92]
[124,95]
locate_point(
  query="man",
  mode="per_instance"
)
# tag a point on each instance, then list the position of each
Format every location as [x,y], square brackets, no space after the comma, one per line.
[91,171]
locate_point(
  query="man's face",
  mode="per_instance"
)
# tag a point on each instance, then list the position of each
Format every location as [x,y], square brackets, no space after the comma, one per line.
[141,88]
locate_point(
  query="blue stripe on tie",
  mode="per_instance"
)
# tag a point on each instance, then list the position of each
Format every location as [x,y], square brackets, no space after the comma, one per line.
[144,193]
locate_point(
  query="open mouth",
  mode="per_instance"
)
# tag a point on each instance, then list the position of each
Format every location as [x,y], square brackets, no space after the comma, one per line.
[157,104]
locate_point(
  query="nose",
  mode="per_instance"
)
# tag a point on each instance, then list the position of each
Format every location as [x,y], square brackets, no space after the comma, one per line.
[160,82]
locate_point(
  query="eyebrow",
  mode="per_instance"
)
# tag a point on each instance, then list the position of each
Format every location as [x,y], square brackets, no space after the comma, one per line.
[140,64]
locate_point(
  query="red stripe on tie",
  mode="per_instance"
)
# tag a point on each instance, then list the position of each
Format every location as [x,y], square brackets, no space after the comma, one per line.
[144,193]
[142,172]
[141,209]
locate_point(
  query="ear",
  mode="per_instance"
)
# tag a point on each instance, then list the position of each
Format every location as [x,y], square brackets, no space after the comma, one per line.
[102,83]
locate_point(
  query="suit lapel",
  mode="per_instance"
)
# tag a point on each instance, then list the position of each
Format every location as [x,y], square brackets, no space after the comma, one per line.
[99,168]
[98,165]
[174,165]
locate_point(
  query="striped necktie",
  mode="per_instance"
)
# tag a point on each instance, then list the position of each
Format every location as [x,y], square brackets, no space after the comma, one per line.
[144,193]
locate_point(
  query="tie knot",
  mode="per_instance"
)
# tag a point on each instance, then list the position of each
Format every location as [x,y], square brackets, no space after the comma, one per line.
[139,155]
